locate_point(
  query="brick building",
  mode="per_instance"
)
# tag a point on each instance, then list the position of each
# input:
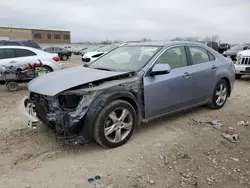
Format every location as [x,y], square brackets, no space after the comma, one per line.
[38,35]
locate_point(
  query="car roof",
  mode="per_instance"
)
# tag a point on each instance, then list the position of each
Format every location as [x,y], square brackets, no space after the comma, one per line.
[23,47]
[18,47]
[166,44]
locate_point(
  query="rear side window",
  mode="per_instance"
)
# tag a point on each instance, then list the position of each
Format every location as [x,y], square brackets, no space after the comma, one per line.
[11,43]
[23,53]
[6,53]
[211,57]
[31,44]
[199,55]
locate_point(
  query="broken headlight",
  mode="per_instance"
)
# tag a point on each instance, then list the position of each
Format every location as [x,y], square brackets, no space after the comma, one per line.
[69,101]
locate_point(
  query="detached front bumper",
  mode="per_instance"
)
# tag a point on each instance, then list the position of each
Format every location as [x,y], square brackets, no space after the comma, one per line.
[29,114]
[26,114]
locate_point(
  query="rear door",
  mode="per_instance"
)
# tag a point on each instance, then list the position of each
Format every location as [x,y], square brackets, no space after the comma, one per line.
[6,56]
[204,68]
[169,92]
[25,56]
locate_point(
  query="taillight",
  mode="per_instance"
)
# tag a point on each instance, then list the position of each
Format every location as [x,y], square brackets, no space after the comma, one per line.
[56,58]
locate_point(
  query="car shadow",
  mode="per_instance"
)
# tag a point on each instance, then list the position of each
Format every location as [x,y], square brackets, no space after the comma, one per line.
[141,131]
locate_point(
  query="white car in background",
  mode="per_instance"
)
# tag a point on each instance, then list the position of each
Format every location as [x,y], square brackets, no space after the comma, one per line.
[242,65]
[18,55]
[91,56]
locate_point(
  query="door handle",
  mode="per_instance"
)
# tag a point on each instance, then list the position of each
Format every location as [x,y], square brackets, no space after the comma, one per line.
[186,75]
[214,67]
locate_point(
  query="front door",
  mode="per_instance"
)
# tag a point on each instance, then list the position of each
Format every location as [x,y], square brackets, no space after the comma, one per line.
[169,92]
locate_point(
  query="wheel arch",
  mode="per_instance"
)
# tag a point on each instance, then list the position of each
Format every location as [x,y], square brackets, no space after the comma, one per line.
[229,85]
[115,93]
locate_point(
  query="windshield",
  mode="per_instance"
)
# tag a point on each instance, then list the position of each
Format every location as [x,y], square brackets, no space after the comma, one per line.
[237,47]
[108,48]
[126,58]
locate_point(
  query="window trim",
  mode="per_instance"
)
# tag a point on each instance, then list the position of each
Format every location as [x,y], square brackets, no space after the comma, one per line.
[148,71]
[211,55]
[191,59]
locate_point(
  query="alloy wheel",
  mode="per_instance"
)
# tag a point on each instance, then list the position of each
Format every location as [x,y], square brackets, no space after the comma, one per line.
[221,94]
[118,125]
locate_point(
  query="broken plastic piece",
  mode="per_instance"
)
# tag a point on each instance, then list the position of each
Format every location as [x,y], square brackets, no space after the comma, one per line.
[200,121]
[231,137]
[216,124]
[97,177]
[91,180]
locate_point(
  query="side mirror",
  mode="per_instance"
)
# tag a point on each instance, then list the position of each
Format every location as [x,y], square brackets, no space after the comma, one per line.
[245,48]
[159,69]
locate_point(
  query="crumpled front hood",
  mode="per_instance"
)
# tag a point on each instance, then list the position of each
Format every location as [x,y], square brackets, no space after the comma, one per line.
[245,53]
[53,83]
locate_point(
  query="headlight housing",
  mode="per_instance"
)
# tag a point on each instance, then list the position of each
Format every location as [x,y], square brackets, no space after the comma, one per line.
[239,57]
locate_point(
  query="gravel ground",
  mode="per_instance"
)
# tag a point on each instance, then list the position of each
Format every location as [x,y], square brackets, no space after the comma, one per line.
[171,152]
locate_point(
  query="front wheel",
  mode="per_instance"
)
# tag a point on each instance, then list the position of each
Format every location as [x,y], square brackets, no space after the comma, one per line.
[115,124]
[220,95]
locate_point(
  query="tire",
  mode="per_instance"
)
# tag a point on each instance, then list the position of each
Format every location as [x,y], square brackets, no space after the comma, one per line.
[238,76]
[215,104]
[12,86]
[106,118]
[64,57]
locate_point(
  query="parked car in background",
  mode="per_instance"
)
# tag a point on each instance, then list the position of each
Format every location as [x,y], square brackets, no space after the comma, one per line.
[11,55]
[90,49]
[234,50]
[68,48]
[242,65]
[223,47]
[64,54]
[126,86]
[91,56]
[28,43]
[77,51]
[211,44]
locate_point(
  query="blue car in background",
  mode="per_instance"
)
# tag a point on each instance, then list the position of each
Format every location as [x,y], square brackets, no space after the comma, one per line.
[131,84]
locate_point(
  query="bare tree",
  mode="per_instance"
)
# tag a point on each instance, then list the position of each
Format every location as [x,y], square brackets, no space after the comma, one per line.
[185,39]
[215,38]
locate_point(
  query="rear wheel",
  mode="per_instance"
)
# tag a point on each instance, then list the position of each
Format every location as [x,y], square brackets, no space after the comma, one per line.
[220,95]
[64,57]
[238,76]
[12,86]
[115,124]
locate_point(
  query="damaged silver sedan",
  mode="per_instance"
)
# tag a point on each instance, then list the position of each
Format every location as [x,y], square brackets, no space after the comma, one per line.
[108,98]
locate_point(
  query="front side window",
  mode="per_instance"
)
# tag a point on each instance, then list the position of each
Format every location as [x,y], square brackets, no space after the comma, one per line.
[175,57]
[126,58]
[6,53]
[199,55]
[23,53]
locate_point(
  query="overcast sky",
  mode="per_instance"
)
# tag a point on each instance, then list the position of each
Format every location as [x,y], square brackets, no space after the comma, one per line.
[132,19]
